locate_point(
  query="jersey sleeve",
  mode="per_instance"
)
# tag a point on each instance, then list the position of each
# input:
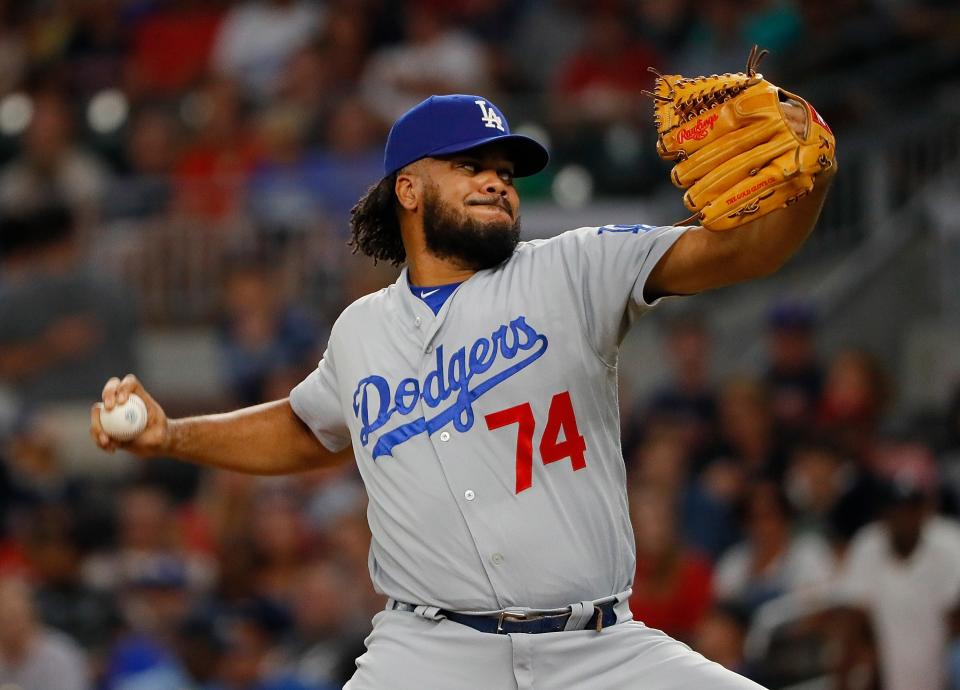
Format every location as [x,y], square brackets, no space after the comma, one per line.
[609,267]
[316,401]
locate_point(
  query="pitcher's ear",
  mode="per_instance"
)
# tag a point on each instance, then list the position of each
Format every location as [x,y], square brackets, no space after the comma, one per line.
[408,188]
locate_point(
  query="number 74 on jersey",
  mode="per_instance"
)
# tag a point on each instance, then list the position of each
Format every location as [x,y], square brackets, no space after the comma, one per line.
[560,420]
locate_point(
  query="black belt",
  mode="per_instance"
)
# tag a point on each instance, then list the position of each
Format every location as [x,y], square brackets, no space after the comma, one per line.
[508,622]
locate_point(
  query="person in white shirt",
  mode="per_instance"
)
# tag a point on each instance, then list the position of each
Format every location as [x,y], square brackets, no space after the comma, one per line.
[33,657]
[257,39]
[903,574]
[771,561]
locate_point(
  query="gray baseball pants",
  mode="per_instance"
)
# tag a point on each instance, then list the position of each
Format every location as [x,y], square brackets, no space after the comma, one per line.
[408,652]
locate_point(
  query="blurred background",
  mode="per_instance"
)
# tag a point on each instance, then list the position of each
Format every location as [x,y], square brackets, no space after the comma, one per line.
[175,184]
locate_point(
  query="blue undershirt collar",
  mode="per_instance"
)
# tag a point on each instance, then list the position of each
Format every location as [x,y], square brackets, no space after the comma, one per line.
[435,295]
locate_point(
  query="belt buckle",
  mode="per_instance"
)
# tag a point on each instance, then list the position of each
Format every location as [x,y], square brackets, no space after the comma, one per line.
[514,614]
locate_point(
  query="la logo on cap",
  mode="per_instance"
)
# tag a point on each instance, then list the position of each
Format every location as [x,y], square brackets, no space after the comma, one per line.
[490,117]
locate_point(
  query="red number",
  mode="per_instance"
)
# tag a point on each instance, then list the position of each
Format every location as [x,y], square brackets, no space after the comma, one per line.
[522,415]
[560,419]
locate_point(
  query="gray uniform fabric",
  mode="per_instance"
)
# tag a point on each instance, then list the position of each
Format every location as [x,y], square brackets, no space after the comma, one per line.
[466,429]
[411,392]
[408,652]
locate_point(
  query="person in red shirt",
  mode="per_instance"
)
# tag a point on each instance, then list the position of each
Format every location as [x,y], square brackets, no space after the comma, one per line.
[672,591]
[191,26]
[211,175]
[602,81]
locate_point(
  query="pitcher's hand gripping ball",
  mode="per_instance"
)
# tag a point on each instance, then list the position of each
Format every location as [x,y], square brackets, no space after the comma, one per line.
[735,152]
[125,422]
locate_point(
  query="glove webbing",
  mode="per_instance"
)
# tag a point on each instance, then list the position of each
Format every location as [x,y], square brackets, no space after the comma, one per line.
[690,103]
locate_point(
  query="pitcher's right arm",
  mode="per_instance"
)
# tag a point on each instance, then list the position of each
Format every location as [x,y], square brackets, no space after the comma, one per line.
[264,439]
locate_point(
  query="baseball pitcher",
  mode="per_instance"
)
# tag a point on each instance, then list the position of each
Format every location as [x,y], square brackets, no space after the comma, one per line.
[478,393]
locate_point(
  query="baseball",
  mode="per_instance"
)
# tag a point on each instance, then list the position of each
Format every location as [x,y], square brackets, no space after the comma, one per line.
[124,422]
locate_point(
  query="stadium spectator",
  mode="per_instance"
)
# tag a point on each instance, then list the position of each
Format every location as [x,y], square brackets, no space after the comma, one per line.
[344,46]
[903,574]
[948,458]
[327,70]
[13,46]
[349,160]
[157,71]
[53,547]
[251,632]
[96,52]
[794,376]
[33,657]
[714,43]
[81,327]
[36,480]
[280,543]
[601,82]
[724,26]
[282,196]
[748,436]
[199,645]
[210,175]
[925,20]
[672,591]
[663,25]
[257,39]
[53,163]
[154,602]
[263,334]
[309,86]
[547,34]
[854,400]
[213,519]
[771,562]
[348,538]
[326,630]
[832,496]
[436,58]
[687,401]
[147,547]
[706,502]
[596,105]
[775,24]
[721,635]
[144,190]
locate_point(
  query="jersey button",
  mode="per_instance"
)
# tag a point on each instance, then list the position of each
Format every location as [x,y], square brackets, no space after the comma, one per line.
[429,349]
[416,322]
[444,436]
[469,495]
[497,559]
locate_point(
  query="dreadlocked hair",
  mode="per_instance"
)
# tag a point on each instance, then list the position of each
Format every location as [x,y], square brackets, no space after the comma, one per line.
[374,227]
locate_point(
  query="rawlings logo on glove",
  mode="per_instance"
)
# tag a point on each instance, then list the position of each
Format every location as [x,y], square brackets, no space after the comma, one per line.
[735,152]
[698,131]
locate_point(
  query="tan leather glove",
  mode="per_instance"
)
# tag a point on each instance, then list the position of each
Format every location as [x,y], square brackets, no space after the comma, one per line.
[735,151]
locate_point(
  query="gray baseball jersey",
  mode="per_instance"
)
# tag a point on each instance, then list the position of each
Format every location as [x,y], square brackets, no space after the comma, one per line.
[488,436]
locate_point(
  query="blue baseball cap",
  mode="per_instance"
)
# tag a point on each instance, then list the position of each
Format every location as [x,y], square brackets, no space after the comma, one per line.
[450,124]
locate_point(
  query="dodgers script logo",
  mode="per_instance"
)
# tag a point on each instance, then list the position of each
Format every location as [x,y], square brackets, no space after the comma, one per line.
[375,404]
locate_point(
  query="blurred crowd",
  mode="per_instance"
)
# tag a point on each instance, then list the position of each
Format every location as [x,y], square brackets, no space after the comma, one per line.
[277,109]
[789,525]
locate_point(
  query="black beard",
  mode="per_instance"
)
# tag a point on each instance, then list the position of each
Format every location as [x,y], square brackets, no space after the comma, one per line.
[470,243]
